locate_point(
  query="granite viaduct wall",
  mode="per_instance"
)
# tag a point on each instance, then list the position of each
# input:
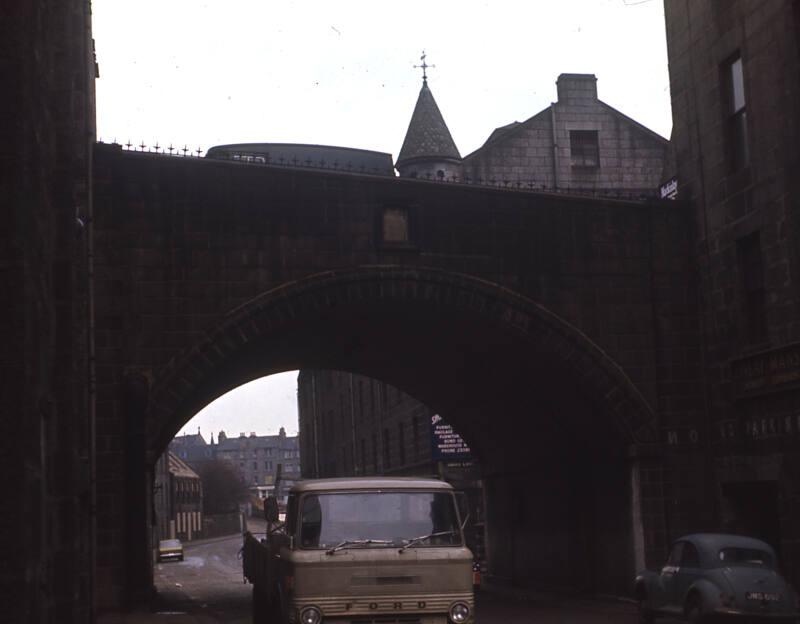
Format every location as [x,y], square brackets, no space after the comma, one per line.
[570,318]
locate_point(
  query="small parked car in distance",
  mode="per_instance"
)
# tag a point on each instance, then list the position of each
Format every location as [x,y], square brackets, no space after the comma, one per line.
[169,549]
[724,577]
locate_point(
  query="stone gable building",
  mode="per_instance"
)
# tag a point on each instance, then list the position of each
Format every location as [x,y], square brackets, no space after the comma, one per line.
[579,144]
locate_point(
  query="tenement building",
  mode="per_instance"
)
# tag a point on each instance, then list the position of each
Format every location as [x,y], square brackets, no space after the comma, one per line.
[734,75]
[255,458]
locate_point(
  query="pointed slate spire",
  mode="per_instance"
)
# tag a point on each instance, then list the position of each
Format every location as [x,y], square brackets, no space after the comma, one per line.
[428,146]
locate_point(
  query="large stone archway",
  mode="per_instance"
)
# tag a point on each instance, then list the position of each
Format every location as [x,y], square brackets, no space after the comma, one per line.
[552,417]
[224,358]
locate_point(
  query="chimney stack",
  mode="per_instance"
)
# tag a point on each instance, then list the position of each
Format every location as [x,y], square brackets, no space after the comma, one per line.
[573,88]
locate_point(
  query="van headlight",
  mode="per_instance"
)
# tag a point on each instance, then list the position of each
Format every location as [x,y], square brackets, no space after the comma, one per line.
[459,612]
[310,615]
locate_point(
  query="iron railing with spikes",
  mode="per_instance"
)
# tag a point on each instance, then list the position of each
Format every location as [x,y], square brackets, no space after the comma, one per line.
[272,160]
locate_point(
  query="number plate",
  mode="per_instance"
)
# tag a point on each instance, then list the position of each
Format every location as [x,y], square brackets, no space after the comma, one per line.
[762,596]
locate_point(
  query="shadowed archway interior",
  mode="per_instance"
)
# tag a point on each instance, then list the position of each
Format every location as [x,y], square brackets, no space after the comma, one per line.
[548,414]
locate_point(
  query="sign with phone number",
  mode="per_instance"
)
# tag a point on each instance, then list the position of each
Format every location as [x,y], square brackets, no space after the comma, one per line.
[446,444]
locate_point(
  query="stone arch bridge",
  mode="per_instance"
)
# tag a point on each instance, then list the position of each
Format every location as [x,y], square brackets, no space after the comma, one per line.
[548,329]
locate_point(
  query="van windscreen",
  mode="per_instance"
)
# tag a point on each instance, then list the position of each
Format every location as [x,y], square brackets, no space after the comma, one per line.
[389,518]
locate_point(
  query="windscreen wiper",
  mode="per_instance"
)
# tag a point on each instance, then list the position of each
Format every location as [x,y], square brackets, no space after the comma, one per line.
[359,542]
[416,540]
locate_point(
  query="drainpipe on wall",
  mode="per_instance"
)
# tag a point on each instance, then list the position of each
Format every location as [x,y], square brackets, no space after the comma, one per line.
[314,421]
[555,145]
[353,424]
[379,465]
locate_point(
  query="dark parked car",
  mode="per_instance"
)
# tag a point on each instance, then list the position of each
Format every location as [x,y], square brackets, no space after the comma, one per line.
[169,549]
[726,577]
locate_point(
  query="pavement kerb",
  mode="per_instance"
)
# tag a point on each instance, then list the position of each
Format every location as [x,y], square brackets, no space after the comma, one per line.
[523,594]
[211,540]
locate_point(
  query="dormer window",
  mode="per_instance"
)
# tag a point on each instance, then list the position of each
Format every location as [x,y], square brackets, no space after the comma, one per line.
[584,148]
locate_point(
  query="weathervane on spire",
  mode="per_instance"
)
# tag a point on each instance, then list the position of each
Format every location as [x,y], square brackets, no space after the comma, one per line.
[424,67]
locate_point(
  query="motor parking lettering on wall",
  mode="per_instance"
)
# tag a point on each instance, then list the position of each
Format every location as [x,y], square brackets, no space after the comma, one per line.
[682,436]
[758,428]
[764,372]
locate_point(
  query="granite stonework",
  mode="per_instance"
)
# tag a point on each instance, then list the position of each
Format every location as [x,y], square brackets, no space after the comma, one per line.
[500,301]
[746,230]
[47,137]
[639,355]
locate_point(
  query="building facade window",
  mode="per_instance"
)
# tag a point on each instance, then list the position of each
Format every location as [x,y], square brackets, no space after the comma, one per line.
[735,109]
[584,148]
[753,299]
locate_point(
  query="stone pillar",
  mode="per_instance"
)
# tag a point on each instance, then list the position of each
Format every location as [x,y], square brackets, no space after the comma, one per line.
[138,493]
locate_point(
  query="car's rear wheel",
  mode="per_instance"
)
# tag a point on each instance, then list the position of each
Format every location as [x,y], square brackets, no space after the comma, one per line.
[645,613]
[694,611]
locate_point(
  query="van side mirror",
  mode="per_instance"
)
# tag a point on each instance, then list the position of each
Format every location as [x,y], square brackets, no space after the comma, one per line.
[271,509]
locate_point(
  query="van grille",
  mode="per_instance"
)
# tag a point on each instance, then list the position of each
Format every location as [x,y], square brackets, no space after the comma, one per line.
[385,608]
[385,580]
[401,619]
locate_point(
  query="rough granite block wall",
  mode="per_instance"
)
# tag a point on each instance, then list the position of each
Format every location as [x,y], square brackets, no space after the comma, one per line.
[46,138]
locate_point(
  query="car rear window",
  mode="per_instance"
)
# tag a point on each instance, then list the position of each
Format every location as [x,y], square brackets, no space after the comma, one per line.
[736,556]
[170,544]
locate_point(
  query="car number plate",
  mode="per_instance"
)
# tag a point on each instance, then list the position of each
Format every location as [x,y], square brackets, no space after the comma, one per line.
[763,596]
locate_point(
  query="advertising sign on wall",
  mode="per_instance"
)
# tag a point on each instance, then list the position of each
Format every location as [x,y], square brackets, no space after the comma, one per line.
[446,444]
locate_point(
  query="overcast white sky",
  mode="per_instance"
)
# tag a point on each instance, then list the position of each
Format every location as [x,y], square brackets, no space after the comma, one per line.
[209,72]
